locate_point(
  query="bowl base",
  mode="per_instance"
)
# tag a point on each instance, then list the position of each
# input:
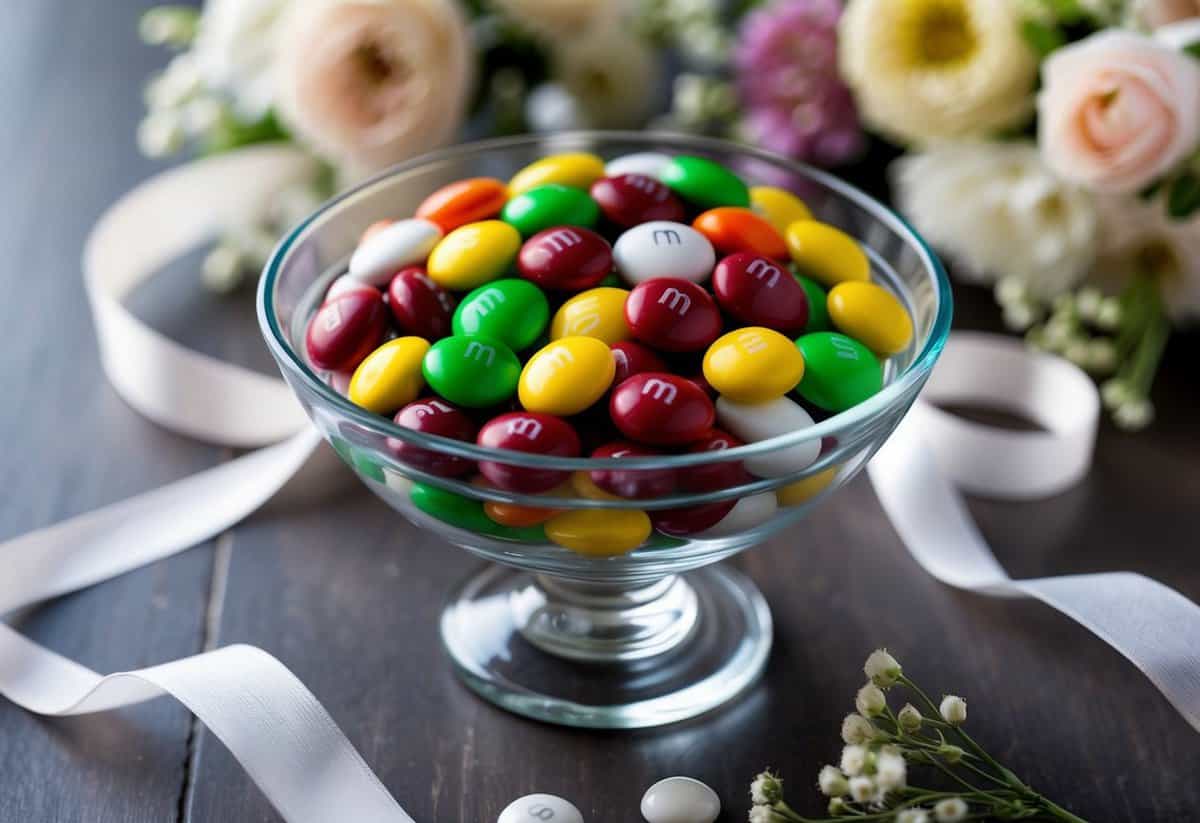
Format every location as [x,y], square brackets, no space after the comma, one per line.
[495,629]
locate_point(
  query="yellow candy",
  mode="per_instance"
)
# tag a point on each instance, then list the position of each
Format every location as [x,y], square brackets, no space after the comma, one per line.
[599,532]
[598,313]
[578,169]
[473,254]
[391,376]
[779,206]
[566,376]
[753,365]
[804,490]
[871,315]
[826,254]
[583,485]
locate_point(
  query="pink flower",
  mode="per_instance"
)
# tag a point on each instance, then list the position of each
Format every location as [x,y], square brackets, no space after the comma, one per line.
[1118,110]
[793,99]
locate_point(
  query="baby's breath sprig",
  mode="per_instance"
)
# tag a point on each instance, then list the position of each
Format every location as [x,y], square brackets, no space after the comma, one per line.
[871,781]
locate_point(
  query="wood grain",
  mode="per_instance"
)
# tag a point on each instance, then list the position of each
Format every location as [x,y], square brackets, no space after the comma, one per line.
[347,595]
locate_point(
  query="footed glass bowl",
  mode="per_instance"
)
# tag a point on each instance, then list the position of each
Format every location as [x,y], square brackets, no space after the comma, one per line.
[656,634]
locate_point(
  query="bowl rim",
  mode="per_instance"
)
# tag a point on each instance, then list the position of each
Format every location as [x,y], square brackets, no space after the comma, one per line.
[908,380]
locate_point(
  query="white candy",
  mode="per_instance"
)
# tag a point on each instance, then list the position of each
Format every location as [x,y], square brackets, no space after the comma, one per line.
[760,421]
[680,800]
[662,248]
[649,163]
[540,808]
[342,285]
[401,244]
[746,514]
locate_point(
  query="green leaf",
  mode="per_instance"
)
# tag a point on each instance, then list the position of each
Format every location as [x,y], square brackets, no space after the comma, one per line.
[1183,196]
[1043,38]
[1066,11]
[1192,49]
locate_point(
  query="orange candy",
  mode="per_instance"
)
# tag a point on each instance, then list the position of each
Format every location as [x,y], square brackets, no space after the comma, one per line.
[464,201]
[731,229]
[375,228]
[517,517]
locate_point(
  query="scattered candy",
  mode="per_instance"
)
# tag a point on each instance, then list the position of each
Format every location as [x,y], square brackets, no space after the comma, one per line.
[704,183]
[547,206]
[527,432]
[475,372]
[828,255]
[473,254]
[566,258]
[753,365]
[598,313]
[391,248]
[390,376]
[567,376]
[759,421]
[680,800]
[871,315]
[780,207]
[630,199]
[577,169]
[515,312]
[672,315]
[464,201]
[839,372]
[455,297]
[760,292]
[662,248]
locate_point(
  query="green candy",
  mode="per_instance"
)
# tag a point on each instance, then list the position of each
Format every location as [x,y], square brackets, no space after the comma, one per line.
[358,459]
[468,514]
[818,313]
[515,312]
[474,371]
[612,281]
[839,372]
[704,183]
[550,205]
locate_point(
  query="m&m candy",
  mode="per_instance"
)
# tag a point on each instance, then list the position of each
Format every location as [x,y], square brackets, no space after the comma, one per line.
[623,308]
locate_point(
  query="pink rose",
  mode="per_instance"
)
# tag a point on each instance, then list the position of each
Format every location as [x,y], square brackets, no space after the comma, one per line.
[1117,110]
[1156,13]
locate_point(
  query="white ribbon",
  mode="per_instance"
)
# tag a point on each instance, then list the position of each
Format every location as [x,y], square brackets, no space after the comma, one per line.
[272,724]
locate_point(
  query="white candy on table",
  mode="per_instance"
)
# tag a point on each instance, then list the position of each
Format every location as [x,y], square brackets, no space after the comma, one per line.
[760,421]
[680,800]
[649,163]
[401,244]
[746,514]
[540,808]
[662,248]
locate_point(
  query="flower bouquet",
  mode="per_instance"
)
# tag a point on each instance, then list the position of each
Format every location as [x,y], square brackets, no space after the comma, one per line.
[1052,146]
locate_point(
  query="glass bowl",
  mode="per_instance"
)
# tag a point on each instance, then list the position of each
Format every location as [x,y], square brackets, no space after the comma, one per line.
[641,638]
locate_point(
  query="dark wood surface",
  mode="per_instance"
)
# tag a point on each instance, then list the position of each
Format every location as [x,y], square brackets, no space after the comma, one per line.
[346,594]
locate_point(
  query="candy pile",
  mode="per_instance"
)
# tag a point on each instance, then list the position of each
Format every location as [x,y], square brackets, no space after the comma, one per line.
[625,309]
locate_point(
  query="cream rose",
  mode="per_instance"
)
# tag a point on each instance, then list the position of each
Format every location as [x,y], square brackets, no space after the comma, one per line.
[1117,110]
[368,83]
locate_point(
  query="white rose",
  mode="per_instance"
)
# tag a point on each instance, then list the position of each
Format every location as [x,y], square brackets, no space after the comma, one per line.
[928,69]
[368,83]
[612,74]
[234,51]
[561,19]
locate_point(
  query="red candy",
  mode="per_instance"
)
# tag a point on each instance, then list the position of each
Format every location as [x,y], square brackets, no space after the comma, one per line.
[672,314]
[527,432]
[661,409]
[760,292]
[346,329]
[565,257]
[630,199]
[731,229]
[714,476]
[420,306]
[632,483]
[691,519]
[434,416]
[634,358]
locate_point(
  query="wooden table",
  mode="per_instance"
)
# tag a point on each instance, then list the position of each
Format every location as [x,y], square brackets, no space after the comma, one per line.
[346,594]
